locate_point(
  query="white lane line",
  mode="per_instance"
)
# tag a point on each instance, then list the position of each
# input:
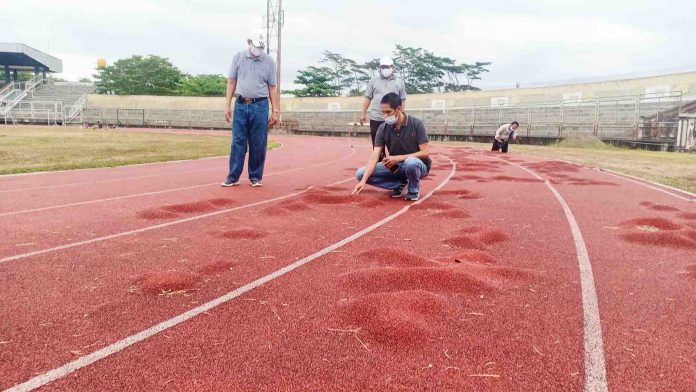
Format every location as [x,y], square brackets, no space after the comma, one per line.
[652,185]
[155,227]
[122,344]
[126,178]
[217,183]
[595,368]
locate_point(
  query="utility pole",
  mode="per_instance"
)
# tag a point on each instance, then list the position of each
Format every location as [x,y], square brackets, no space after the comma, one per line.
[281,20]
[268,26]
[275,19]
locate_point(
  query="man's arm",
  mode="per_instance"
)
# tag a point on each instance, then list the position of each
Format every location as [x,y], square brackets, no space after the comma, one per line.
[498,132]
[369,169]
[369,94]
[402,94]
[275,98]
[363,115]
[231,86]
[422,154]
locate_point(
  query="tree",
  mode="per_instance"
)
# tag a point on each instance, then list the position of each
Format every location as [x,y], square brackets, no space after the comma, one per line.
[474,71]
[204,86]
[317,82]
[138,75]
[339,68]
[360,76]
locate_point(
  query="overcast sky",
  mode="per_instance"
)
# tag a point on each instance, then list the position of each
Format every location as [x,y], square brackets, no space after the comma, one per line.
[533,42]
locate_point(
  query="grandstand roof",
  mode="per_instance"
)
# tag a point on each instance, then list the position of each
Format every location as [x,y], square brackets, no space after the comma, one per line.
[25,58]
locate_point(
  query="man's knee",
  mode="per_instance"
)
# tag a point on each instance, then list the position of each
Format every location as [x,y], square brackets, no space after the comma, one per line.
[359,174]
[411,164]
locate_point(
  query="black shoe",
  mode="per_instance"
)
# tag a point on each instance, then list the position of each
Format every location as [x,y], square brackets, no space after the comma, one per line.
[412,196]
[397,192]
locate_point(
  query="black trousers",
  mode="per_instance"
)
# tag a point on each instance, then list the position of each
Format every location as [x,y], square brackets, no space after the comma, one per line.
[500,146]
[374,126]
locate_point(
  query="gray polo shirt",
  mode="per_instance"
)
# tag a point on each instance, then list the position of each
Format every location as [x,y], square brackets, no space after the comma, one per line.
[380,86]
[406,141]
[253,75]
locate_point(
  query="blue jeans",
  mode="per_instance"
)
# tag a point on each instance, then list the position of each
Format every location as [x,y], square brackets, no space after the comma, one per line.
[249,127]
[411,170]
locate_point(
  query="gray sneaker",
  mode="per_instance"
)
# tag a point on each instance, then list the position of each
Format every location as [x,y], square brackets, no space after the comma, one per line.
[228,184]
[256,183]
[412,196]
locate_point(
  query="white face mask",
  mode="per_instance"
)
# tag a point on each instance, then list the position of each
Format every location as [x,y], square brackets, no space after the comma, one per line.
[387,72]
[256,52]
[391,120]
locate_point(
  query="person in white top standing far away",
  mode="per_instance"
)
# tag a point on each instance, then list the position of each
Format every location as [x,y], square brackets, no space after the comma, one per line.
[380,85]
[503,136]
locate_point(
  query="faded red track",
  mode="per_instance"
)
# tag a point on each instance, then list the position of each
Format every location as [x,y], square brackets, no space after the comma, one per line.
[154,277]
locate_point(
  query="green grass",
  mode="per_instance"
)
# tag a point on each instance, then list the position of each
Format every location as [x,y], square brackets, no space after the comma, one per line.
[674,169]
[25,150]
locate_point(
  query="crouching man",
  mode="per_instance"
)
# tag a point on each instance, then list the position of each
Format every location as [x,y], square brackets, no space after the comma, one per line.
[406,141]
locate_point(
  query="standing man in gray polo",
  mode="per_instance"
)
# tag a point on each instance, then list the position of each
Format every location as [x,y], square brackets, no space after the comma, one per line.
[251,82]
[384,83]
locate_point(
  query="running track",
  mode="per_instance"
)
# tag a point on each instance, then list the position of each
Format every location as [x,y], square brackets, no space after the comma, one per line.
[513,273]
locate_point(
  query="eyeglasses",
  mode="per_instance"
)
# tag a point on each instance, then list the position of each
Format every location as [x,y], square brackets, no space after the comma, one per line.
[385,66]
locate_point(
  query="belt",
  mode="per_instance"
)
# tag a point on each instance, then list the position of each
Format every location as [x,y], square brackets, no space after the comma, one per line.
[249,101]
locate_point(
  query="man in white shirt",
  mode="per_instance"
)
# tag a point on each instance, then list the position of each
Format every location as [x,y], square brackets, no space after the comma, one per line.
[384,83]
[503,136]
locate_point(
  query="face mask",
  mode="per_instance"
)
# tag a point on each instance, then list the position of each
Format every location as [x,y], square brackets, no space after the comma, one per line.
[387,72]
[391,120]
[256,51]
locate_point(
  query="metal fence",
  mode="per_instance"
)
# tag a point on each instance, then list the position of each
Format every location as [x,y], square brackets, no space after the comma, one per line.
[646,116]
[155,118]
[653,117]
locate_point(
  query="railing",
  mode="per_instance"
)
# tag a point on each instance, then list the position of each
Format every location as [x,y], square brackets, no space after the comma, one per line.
[8,89]
[76,109]
[645,117]
[30,85]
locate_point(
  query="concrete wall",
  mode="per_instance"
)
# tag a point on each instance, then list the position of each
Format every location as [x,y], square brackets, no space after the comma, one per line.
[684,82]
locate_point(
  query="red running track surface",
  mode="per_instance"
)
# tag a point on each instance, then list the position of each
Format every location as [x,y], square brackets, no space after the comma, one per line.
[477,287]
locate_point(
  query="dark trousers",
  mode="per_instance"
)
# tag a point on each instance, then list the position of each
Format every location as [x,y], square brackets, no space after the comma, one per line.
[500,146]
[374,126]
[249,128]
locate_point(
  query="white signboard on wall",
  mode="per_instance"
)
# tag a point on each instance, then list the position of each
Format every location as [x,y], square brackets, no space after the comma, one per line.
[500,101]
[572,97]
[659,91]
[438,104]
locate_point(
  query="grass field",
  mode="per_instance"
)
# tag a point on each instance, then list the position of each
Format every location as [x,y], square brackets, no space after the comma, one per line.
[669,168]
[24,150]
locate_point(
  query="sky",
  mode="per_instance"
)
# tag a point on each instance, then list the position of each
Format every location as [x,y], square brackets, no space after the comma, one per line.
[532,42]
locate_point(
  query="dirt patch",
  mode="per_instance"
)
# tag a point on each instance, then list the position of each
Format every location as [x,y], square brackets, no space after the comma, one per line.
[244,234]
[156,213]
[168,282]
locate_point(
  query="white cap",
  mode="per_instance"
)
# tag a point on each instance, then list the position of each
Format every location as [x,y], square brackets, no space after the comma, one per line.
[256,39]
[386,61]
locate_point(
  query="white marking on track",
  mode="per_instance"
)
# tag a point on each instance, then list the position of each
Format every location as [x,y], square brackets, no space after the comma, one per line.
[155,227]
[217,183]
[595,368]
[163,164]
[122,344]
[652,185]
